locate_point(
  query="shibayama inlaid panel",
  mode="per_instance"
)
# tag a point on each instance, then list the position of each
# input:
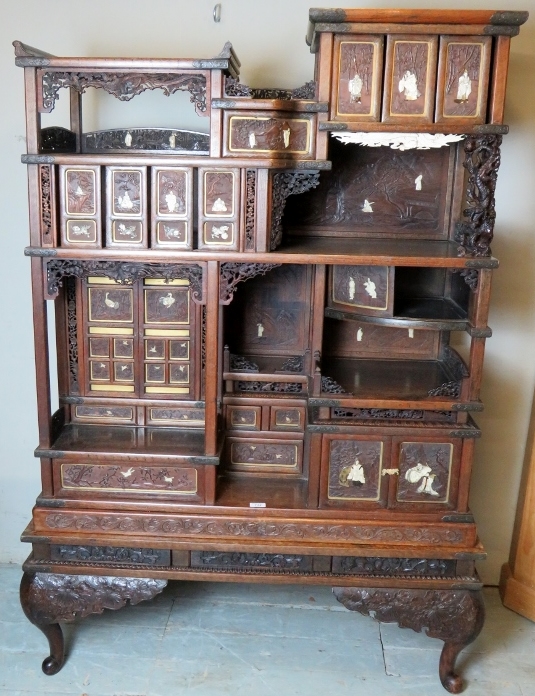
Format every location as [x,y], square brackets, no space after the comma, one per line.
[357,77]
[126,207]
[172,207]
[277,134]
[378,192]
[270,315]
[219,209]
[463,79]
[264,456]
[80,208]
[362,289]
[139,339]
[428,472]
[410,78]
[352,471]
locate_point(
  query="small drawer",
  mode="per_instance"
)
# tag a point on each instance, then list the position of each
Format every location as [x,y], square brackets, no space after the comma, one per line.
[269,456]
[103,414]
[363,290]
[120,480]
[284,418]
[185,417]
[244,417]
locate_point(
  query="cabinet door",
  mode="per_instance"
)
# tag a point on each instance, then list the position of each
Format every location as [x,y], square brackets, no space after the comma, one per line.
[80,207]
[172,207]
[357,77]
[428,472]
[352,471]
[126,207]
[219,209]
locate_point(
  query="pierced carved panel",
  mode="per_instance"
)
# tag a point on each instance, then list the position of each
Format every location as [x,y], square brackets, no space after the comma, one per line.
[286,184]
[95,555]
[427,567]
[251,561]
[250,210]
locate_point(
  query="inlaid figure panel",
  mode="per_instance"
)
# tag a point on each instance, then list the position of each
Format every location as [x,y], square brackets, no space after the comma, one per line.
[377,192]
[80,206]
[282,134]
[172,207]
[362,289]
[355,470]
[463,79]
[126,207]
[219,208]
[357,77]
[410,78]
[268,456]
[425,470]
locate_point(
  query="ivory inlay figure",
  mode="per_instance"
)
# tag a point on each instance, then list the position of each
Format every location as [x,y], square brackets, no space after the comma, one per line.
[128,139]
[125,202]
[423,473]
[219,206]
[355,89]
[352,288]
[371,288]
[418,182]
[409,86]
[367,207]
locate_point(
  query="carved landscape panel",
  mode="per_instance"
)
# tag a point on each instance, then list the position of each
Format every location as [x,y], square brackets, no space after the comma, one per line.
[172,207]
[376,192]
[126,207]
[357,77]
[80,192]
[219,194]
[355,470]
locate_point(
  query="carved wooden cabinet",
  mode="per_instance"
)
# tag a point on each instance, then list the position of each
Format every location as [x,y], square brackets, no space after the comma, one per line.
[259,365]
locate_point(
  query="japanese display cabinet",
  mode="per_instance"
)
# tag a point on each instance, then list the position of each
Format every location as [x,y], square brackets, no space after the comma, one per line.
[269,334]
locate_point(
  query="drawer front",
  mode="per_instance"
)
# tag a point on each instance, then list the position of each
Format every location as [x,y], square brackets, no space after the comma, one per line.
[128,480]
[172,207]
[244,417]
[273,456]
[126,211]
[282,134]
[287,418]
[186,417]
[219,209]
[103,414]
[353,472]
[80,207]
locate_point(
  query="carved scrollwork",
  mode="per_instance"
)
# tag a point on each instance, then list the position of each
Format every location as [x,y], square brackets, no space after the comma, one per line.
[238,363]
[73,336]
[250,205]
[287,184]
[261,561]
[482,163]
[452,389]
[46,202]
[330,386]
[168,139]
[110,554]
[234,273]
[124,86]
[123,272]
[453,363]
[454,616]
[279,387]
[471,278]
[394,566]
[234,88]
[292,364]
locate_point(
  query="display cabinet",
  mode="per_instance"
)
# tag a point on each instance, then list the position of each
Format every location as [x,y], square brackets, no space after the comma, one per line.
[269,334]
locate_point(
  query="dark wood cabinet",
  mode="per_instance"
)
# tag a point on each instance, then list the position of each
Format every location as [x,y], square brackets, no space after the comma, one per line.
[258,371]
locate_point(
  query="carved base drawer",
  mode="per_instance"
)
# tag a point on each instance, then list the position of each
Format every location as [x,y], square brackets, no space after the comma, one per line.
[264,456]
[130,480]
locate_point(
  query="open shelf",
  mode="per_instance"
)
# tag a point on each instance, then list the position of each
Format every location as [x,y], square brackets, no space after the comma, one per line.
[386,379]
[124,442]
[240,492]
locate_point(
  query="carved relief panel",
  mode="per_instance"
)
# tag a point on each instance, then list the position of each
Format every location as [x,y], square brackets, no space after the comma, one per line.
[280,134]
[103,413]
[463,79]
[357,78]
[126,207]
[172,207]
[219,209]
[353,471]
[410,77]
[428,472]
[271,313]
[378,192]
[80,207]
[268,456]
[128,480]
[170,416]
[362,289]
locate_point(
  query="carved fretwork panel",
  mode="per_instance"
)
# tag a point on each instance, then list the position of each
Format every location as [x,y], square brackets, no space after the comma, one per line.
[482,163]
[233,88]
[124,86]
[95,555]
[250,209]
[270,315]
[377,192]
[286,184]
[234,273]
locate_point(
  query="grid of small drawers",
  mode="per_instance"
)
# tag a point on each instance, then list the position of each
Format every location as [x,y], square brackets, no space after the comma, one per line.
[146,207]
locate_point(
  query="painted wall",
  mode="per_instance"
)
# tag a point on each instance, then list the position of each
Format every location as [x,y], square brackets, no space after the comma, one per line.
[269,39]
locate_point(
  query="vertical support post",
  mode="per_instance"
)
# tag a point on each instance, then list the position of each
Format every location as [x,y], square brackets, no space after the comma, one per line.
[212,357]
[499,79]
[41,352]
[76,116]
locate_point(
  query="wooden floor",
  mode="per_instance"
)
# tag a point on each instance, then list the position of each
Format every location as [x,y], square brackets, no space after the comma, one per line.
[207,639]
